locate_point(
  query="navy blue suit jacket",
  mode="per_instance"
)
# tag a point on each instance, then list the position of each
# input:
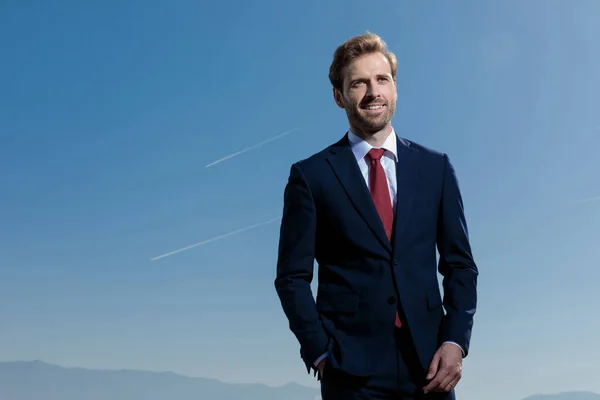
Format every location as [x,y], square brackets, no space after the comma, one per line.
[363,277]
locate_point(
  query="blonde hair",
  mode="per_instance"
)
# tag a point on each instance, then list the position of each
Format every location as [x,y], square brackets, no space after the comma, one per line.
[354,48]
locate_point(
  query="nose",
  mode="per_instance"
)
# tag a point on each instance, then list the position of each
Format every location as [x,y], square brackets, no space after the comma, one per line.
[373,89]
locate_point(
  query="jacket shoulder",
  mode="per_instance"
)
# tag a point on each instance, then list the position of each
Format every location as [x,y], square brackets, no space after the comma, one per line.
[422,149]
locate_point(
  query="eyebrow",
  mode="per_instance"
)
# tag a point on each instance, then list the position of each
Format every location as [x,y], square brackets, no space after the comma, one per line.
[359,79]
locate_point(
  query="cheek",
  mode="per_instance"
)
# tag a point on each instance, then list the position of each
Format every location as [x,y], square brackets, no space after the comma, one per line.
[353,97]
[354,101]
[389,92]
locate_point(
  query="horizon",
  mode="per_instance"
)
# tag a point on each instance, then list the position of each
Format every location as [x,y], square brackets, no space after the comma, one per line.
[291,383]
[150,371]
[146,146]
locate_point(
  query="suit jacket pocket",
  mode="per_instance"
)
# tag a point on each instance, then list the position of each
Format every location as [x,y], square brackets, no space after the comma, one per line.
[434,299]
[340,302]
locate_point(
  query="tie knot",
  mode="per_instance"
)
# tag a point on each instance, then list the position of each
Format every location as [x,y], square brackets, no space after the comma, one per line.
[375,154]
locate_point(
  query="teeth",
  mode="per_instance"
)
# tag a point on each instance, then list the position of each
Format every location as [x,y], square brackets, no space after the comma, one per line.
[373,107]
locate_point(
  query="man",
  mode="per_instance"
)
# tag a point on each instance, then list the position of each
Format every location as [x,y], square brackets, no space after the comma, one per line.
[371,209]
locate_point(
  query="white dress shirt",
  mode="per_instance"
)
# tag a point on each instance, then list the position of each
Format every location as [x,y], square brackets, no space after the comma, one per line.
[360,148]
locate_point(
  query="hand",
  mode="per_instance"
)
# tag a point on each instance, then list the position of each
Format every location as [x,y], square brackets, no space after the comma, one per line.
[445,370]
[321,366]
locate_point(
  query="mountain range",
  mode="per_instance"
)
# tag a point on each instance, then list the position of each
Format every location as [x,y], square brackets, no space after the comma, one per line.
[37,380]
[565,396]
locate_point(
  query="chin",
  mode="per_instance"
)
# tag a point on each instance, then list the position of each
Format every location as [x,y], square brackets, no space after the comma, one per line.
[374,126]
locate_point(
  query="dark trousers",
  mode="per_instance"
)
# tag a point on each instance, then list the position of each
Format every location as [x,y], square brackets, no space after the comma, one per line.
[401,377]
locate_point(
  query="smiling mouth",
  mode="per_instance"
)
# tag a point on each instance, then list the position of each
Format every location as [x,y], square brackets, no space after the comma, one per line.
[373,107]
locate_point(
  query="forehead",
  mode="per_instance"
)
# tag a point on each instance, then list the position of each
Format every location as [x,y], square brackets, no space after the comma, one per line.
[373,64]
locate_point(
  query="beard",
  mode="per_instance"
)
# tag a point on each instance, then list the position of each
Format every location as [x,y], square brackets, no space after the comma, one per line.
[370,124]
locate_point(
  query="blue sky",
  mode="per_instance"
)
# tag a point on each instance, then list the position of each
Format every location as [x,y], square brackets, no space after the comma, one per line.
[111,112]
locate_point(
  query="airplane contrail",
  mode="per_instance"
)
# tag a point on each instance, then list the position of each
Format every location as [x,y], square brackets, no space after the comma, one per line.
[237,153]
[217,238]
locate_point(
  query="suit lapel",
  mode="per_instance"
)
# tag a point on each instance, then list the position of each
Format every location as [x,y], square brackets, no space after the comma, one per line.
[407,172]
[344,165]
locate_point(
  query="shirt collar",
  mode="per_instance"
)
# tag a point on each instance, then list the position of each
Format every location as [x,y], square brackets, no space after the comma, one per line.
[360,147]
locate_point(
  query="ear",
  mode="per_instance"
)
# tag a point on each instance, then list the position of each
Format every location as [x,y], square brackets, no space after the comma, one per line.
[337,96]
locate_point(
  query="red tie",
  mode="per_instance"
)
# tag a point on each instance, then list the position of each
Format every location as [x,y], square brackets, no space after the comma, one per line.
[381,197]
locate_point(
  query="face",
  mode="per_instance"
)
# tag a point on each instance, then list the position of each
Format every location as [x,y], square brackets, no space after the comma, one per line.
[368,94]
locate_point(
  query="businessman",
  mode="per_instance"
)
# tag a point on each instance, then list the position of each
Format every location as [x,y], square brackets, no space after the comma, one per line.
[371,209]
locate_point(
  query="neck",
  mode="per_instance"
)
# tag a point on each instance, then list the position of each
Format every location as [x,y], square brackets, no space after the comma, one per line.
[375,139]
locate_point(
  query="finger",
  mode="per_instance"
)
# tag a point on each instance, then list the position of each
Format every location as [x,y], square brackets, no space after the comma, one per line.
[448,383]
[433,367]
[453,377]
[435,383]
[444,376]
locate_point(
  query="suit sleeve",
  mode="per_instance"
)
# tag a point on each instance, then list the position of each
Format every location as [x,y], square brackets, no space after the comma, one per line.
[456,264]
[295,266]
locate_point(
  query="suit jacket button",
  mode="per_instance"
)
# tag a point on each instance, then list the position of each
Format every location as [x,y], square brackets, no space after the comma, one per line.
[391,300]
